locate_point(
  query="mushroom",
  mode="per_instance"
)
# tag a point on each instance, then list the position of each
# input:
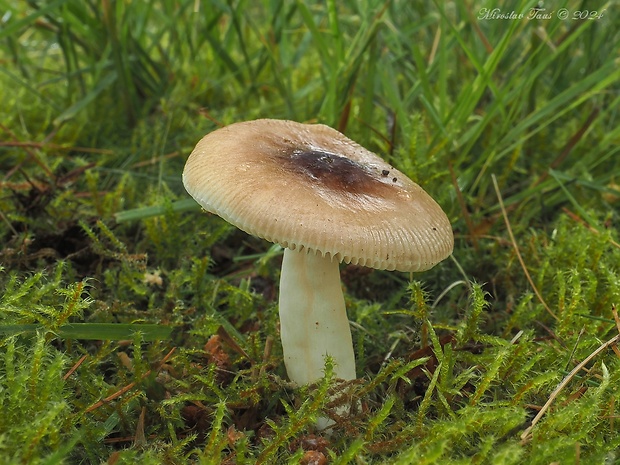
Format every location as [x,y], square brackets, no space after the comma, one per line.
[326,200]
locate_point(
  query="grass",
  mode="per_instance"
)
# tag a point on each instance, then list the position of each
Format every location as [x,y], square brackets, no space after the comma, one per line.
[136,329]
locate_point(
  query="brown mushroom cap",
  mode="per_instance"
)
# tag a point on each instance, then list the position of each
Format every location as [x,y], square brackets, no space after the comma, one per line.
[307,186]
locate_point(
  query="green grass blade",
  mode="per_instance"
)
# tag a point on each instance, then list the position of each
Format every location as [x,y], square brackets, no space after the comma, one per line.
[96,331]
[15,26]
[80,105]
[156,210]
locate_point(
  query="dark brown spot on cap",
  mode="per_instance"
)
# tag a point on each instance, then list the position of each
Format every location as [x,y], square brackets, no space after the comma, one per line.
[334,172]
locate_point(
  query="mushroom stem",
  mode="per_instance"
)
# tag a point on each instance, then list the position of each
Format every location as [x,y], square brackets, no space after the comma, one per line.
[313,318]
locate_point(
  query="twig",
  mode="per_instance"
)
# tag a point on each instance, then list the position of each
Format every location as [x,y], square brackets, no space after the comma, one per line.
[516,247]
[74,367]
[130,386]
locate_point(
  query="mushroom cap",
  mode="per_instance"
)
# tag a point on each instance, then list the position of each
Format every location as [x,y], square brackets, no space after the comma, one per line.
[308,187]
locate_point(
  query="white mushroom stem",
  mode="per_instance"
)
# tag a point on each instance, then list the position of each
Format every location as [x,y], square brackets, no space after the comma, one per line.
[313,318]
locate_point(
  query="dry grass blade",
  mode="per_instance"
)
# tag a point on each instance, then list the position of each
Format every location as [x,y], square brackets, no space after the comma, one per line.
[525,436]
[140,438]
[464,211]
[74,367]
[516,247]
